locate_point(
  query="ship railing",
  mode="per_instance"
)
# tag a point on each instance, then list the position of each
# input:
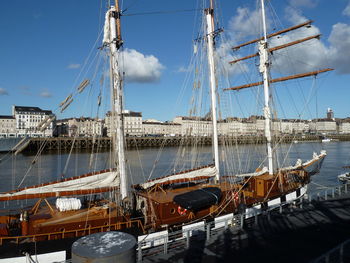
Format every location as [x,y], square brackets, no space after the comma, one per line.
[72,233]
[164,241]
[338,254]
[328,193]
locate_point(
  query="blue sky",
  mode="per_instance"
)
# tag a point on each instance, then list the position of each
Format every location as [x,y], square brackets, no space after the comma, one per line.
[44,45]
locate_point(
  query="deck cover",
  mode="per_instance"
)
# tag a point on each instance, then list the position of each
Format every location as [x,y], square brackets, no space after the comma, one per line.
[199,199]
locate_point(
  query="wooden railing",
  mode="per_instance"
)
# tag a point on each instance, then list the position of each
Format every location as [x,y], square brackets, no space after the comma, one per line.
[75,233]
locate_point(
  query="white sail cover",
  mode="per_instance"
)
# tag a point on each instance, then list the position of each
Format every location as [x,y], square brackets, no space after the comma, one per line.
[106,29]
[191,175]
[108,179]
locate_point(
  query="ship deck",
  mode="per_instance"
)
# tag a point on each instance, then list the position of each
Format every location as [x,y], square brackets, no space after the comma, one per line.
[166,196]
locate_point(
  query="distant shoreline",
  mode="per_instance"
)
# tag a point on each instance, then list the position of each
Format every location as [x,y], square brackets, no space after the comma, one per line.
[170,141]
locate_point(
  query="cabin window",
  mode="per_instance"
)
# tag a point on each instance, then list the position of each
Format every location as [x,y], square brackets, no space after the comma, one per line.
[142,204]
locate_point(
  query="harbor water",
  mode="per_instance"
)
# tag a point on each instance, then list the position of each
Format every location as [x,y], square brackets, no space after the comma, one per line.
[27,169]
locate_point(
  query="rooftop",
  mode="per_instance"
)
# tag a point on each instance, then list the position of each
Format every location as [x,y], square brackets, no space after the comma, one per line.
[30,109]
[6,117]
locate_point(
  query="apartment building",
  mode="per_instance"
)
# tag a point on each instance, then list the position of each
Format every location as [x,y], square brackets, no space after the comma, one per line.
[7,126]
[132,123]
[84,127]
[29,120]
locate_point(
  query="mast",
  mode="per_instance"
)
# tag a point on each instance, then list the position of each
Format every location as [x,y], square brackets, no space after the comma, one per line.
[117,97]
[264,69]
[212,78]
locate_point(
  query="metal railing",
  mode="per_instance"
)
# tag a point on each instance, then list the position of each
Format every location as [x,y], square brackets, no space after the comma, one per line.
[339,254]
[165,241]
[329,193]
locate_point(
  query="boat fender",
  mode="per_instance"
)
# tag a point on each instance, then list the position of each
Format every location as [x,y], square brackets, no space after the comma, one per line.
[236,197]
[181,211]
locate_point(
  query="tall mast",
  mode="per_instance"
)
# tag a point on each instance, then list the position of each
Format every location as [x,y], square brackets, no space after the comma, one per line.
[117,96]
[212,78]
[264,69]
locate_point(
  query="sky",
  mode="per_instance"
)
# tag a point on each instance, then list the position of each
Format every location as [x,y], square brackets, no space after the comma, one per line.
[48,46]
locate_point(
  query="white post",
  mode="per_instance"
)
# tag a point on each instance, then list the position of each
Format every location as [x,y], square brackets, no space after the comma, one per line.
[117,98]
[264,69]
[212,78]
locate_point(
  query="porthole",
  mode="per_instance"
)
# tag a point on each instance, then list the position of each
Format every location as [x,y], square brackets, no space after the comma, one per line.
[172,211]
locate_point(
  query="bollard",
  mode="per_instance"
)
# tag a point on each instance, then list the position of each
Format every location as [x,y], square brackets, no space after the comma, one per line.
[333,192]
[346,188]
[105,247]
[325,195]
[281,209]
[242,221]
[256,218]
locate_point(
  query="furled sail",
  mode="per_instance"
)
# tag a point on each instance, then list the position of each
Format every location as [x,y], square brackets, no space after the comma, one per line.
[97,182]
[185,176]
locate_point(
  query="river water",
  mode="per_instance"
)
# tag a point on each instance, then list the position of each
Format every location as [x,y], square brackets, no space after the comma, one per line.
[28,169]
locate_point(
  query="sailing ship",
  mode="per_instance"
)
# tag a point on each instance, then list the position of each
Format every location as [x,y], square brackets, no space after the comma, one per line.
[168,202]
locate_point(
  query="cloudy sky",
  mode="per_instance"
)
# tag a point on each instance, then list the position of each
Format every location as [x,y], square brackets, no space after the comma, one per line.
[48,47]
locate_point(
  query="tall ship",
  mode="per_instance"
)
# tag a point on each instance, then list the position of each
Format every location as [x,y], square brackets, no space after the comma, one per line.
[105,200]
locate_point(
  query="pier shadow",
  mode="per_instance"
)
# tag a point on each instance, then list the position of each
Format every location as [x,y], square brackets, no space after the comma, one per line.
[195,251]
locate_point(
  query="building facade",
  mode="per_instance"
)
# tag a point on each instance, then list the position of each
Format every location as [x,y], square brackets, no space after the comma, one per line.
[29,121]
[7,126]
[84,127]
[132,123]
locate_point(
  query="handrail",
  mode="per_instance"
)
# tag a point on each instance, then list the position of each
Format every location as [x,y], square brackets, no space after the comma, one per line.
[116,226]
[150,246]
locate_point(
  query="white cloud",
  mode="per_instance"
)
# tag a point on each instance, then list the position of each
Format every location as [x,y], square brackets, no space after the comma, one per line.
[3,92]
[339,48]
[309,55]
[45,94]
[303,3]
[247,23]
[141,68]
[346,11]
[183,69]
[73,66]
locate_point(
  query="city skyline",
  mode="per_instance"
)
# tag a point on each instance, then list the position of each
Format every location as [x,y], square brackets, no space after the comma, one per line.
[42,57]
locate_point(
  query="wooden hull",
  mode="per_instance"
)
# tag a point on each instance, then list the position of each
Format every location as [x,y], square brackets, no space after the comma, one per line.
[156,209]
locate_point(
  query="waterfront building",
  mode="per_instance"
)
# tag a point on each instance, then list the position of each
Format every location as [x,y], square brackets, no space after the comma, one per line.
[62,128]
[84,127]
[154,127]
[132,123]
[194,126]
[7,126]
[326,126]
[344,126]
[28,120]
